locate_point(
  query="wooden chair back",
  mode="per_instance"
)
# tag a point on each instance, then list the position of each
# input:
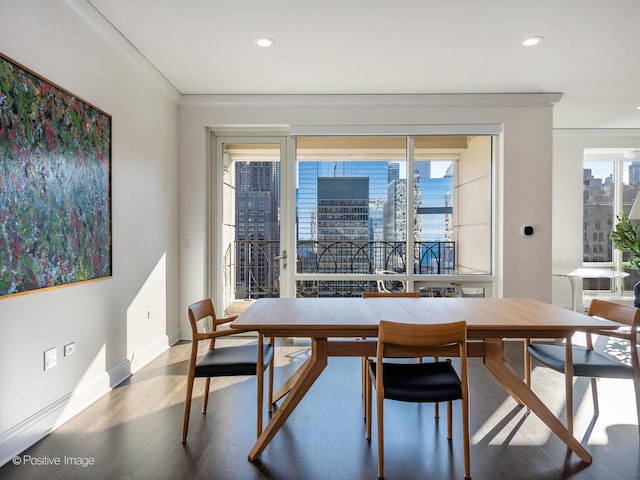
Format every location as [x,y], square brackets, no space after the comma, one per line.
[391,294]
[416,335]
[201,311]
[421,340]
[616,312]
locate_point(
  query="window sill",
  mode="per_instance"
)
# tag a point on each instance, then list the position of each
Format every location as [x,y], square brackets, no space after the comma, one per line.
[625,299]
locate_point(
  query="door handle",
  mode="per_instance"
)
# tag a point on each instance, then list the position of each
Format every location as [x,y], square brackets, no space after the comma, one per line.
[282,257]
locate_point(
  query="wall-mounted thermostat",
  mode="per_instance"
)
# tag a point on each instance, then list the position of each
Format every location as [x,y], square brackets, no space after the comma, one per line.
[526,230]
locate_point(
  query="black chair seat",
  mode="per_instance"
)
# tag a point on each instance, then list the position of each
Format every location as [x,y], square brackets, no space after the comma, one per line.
[232,361]
[585,363]
[420,382]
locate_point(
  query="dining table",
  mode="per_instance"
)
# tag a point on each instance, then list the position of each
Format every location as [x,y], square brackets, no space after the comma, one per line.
[349,326]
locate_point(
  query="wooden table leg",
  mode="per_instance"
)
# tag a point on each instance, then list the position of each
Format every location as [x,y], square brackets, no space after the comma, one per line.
[289,383]
[309,372]
[513,384]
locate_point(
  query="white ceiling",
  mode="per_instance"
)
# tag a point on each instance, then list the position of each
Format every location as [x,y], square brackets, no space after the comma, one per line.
[590,53]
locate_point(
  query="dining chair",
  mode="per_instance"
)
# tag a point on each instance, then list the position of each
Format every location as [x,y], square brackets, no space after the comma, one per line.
[224,361]
[365,358]
[419,382]
[579,361]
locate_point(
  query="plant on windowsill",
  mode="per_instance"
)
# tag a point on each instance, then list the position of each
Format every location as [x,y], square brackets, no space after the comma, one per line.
[626,238]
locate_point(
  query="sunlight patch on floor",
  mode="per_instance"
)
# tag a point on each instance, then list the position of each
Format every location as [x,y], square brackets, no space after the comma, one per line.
[617,407]
[502,427]
[528,431]
[220,383]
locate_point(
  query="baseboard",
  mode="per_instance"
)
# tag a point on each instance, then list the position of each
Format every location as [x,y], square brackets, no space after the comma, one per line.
[140,358]
[174,337]
[23,435]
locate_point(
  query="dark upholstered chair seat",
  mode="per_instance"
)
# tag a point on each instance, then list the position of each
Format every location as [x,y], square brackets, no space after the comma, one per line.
[231,361]
[420,382]
[585,363]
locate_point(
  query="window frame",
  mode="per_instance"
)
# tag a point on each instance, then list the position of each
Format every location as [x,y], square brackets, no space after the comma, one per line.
[489,282]
[617,264]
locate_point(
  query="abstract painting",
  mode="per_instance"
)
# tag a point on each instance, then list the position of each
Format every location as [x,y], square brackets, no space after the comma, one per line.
[55,184]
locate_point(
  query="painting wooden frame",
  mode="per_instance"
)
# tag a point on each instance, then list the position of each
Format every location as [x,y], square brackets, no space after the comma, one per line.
[55,184]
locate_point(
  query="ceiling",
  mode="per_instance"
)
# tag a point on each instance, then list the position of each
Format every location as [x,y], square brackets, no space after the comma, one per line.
[590,52]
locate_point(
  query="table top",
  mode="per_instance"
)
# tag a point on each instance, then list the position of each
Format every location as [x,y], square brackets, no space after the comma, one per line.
[349,317]
[593,273]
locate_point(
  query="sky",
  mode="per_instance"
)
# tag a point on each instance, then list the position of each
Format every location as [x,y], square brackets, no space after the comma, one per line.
[600,169]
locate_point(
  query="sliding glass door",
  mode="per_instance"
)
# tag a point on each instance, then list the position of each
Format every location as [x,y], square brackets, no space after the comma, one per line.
[393,213]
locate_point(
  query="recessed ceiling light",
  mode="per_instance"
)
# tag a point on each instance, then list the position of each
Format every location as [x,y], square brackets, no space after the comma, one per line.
[531,41]
[264,42]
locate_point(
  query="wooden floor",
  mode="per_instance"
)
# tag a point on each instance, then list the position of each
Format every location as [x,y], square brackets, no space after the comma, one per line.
[134,431]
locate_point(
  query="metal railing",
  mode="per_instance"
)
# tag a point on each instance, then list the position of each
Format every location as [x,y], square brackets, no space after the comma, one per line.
[251,266]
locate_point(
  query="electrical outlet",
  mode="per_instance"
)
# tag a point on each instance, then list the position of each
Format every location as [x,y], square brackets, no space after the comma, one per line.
[50,358]
[70,349]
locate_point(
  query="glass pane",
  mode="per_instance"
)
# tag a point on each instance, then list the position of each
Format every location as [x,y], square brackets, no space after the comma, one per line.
[433,226]
[631,184]
[598,201]
[452,184]
[630,281]
[350,209]
[630,190]
[251,222]
[598,219]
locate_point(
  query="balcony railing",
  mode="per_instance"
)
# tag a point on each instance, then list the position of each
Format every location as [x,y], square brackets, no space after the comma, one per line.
[254,270]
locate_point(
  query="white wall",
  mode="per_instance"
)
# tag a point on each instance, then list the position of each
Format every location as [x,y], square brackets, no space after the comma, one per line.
[568,156]
[106,318]
[474,229]
[524,177]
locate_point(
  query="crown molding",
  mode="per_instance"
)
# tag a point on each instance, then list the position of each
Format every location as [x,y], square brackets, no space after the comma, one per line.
[596,132]
[400,100]
[90,15]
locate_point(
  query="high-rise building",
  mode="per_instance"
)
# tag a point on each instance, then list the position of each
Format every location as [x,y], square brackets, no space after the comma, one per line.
[393,172]
[343,230]
[378,174]
[257,200]
[395,212]
[343,208]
